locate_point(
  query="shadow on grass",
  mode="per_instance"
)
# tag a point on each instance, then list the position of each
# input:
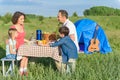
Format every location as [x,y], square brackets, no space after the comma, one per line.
[47,62]
[2,53]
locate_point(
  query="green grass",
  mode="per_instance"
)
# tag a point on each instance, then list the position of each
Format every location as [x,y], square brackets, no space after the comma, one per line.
[89,67]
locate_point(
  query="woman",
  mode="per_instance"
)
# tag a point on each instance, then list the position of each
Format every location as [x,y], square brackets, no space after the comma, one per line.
[18,23]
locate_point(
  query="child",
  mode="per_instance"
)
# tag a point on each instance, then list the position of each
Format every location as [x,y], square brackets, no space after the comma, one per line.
[11,45]
[52,38]
[69,50]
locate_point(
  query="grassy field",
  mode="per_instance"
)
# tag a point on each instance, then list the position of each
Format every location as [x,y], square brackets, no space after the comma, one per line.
[89,67]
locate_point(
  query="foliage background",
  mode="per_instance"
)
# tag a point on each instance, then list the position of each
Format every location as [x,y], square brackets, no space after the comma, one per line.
[102,11]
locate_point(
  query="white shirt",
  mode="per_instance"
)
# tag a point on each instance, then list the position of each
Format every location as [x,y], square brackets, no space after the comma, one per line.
[12,43]
[72,30]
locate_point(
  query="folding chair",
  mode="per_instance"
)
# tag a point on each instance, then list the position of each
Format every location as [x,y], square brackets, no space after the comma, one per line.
[11,67]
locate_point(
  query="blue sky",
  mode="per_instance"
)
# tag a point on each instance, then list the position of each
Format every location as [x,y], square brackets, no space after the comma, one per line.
[51,7]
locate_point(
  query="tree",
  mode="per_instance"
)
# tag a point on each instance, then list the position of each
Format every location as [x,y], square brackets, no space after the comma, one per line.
[75,14]
[101,11]
[86,12]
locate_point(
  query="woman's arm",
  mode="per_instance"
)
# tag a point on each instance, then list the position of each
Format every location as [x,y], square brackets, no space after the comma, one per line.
[27,41]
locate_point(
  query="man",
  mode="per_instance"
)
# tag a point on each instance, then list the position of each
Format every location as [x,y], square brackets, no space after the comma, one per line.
[63,18]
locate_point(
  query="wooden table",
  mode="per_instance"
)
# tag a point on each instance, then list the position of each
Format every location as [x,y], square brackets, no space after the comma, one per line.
[34,50]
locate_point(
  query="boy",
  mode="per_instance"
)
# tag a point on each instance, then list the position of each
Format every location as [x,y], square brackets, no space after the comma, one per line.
[69,50]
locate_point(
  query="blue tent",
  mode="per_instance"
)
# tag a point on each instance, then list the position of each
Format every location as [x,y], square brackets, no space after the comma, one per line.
[85,32]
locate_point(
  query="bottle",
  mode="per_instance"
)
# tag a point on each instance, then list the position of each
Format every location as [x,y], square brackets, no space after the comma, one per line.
[38,35]
[32,37]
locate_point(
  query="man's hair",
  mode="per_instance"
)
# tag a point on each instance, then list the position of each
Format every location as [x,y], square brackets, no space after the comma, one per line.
[64,30]
[11,31]
[64,13]
[16,16]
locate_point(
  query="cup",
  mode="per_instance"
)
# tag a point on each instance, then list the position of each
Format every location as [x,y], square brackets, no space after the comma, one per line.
[39,42]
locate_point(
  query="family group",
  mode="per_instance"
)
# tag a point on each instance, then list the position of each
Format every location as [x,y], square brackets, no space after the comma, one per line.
[68,42]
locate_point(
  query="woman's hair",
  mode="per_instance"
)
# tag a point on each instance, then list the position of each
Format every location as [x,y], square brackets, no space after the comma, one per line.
[64,13]
[11,32]
[64,30]
[16,16]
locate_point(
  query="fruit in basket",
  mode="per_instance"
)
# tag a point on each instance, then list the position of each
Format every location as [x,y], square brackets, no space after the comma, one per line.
[44,42]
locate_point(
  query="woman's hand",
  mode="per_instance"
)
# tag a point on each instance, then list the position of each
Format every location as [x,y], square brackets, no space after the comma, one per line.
[30,42]
[27,41]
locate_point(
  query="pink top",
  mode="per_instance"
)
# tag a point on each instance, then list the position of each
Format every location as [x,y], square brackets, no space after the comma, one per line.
[19,38]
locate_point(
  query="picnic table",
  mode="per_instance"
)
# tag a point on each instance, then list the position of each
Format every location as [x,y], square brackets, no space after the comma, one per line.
[33,50]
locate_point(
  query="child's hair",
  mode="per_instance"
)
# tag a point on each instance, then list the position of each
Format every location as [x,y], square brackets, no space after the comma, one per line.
[64,30]
[11,32]
[52,37]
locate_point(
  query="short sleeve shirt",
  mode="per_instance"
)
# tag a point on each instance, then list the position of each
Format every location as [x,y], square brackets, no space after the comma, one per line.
[13,44]
[72,30]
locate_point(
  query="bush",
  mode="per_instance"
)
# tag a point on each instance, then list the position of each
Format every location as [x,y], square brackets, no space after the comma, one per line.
[27,20]
[6,18]
[75,14]
[50,17]
[0,17]
[40,18]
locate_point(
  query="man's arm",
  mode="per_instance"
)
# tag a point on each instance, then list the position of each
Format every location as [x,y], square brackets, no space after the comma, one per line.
[72,36]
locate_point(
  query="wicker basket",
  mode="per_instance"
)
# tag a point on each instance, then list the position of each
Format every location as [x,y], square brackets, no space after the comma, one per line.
[45,36]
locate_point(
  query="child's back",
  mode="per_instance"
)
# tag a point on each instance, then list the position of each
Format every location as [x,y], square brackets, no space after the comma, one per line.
[13,44]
